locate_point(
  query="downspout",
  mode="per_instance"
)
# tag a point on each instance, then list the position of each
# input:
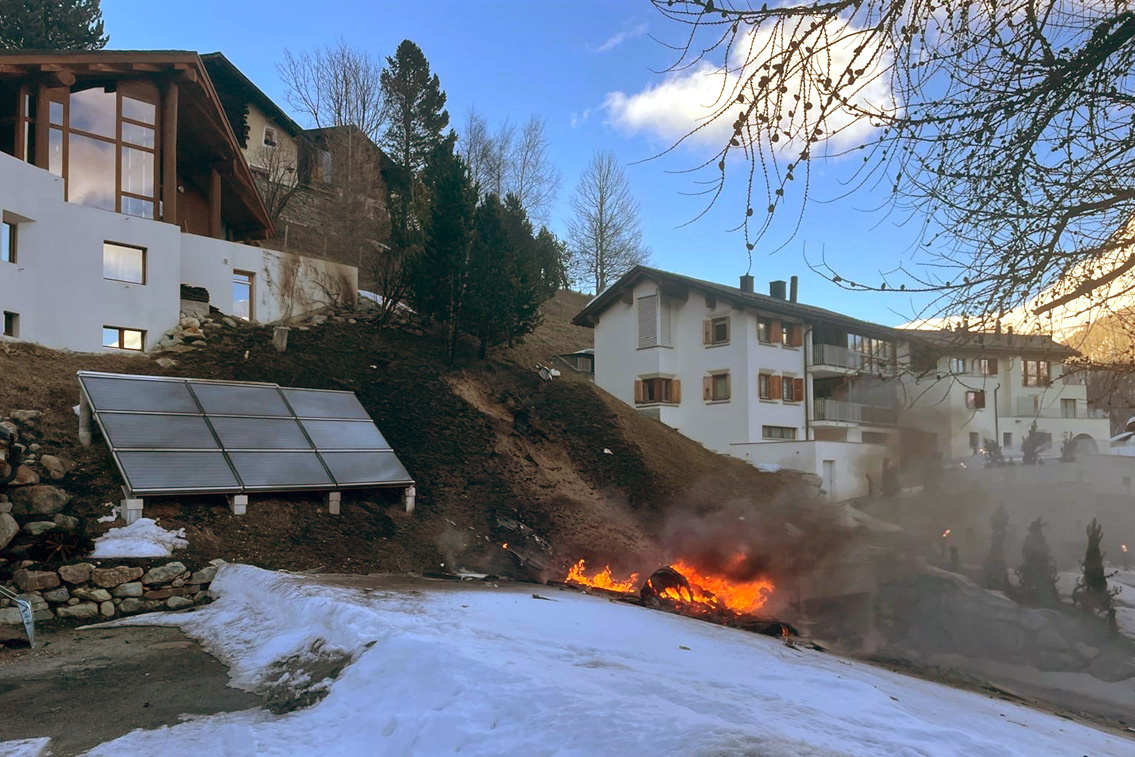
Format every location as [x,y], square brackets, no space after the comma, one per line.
[809,403]
[996,416]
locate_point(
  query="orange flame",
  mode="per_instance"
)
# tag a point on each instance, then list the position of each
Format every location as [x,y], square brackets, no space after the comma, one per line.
[601,580]
[741,597]
[946,533]
[1123,547]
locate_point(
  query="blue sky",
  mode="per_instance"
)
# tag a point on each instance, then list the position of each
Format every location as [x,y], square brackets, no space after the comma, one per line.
[559,59]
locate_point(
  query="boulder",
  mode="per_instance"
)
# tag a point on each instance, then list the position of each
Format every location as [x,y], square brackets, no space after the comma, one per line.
[106,609]
[55,467]
[36,580]
[25,476]
[164,573]
[166,362]
[179,603]
[1084,651]
[25,416]
[37,527]
[67,523]
[229,322]
[12,429]
[132,589]
[130,604]
[79,573]
[108,578]
[1112,667]
[41,499]
[81,610]
[204,576]
[58,596]
[91,595]
[167,593]
[8,529]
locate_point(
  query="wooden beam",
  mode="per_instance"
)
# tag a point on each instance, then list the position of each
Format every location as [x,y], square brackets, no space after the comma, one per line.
[628,297]
[675,292]
[50,67]
[42,117]
[65,78]
[145,67]
[8,68]
[170,197]
[711,301]
[215,204]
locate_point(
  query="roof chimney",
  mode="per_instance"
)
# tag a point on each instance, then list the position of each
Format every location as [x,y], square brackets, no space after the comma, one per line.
[777,289]
[793,288]
[747,283]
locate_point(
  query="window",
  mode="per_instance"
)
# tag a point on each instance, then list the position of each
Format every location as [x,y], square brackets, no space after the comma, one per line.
[123,263]
[778,432]
[975,400]
[715,388]
[119,338]
[1007,439]
[657,390]
[974,440]
[794,335]
[242,295]
[104,145]
[11,324]
[764,383]
[270,137]
[958,365]
[715,331]
[1067,408]
[875,355]
[792,389]
[1035,372]
[7,242]
[770,331]
[986,366]
[323,167]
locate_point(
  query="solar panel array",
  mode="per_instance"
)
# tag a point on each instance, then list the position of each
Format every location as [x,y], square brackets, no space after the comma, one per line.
[175,436]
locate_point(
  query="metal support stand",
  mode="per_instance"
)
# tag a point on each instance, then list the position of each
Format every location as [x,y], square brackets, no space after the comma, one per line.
[131,506]
[238,503]
[408,498]
[333,500]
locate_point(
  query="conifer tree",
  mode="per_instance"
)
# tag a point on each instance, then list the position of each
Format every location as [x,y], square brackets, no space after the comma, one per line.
[995,573]
[416,117]
[491,276]
[527,289]
[1036,578]
[51,25]
[1092,594]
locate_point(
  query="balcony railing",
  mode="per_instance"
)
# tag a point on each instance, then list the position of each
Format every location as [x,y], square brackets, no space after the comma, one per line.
[834,356]
[853,412]
[1027,407]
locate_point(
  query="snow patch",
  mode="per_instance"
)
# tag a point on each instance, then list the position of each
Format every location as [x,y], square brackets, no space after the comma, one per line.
[767,467]
[142,538]
[24,748]
[489,671]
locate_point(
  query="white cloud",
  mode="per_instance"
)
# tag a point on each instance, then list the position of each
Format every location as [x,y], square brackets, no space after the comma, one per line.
[686,100]
[619,38]
[578,119]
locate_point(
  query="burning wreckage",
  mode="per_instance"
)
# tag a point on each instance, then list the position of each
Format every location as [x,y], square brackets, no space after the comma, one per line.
[683,589]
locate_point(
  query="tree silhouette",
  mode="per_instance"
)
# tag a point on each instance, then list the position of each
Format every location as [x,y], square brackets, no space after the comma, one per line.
[995,572]
[1092,594]
[51,25]
[1036,578]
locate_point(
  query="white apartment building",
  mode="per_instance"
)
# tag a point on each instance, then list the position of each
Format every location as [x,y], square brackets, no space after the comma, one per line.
[121,181]
[775,382]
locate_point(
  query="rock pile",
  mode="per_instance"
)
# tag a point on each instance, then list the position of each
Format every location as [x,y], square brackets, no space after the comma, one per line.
[89,590]
[31,497]
[192,332]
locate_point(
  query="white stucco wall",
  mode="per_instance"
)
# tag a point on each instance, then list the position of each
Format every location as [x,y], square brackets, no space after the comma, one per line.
[57,286]
[853,462]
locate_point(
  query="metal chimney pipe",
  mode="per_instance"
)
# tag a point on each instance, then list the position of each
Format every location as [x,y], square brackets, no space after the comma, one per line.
[747,283]
[793,288]
[776,289]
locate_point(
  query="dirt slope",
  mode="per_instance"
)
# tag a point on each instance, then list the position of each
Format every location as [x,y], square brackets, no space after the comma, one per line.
[557,469]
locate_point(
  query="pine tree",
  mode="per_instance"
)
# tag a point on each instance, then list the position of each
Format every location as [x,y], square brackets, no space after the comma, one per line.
[438,273]
[527,288]
[1036,578]
[491,277]
[416,117]
[51,25]
[1030,447]
[995,573]
[551,256]
[1092,594]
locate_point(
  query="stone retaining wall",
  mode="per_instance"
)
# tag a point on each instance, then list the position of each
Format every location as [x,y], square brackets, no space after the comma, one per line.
[106,589]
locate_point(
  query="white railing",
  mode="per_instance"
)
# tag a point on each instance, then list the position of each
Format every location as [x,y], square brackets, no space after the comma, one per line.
[853,412]
[841,357]
[1028,407]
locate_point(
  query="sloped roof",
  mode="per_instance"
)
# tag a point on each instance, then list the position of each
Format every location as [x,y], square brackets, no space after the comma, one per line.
[993,343]
[227,77]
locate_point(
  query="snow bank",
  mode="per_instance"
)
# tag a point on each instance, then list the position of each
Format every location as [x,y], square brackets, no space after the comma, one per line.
[24,748]
[142,538]
[495,671]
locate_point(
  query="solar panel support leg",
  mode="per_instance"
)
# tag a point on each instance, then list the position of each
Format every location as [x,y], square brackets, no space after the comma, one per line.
[84,421]
[333,500]
[131,509]
[238,503]
[408,498]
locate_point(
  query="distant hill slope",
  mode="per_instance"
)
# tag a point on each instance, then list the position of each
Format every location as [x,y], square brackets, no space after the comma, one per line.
[490,444]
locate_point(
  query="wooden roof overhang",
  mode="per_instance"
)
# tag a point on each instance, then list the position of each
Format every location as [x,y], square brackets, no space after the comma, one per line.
[205,137]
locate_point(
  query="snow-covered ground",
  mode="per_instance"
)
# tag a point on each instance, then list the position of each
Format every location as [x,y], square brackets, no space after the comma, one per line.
[142,538]
[442,668]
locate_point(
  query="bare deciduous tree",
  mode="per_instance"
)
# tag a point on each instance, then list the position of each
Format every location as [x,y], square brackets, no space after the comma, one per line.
[604,236]
[511,161]
[1005,129]
[336,86]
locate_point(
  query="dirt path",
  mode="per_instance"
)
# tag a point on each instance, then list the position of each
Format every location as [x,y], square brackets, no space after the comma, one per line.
[81,688]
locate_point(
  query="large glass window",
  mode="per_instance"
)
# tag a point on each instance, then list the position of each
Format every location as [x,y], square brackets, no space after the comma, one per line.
[242,295]
[7,242]
[123,263]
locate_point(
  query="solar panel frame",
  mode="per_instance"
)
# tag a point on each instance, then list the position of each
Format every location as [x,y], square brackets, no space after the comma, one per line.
[112,401]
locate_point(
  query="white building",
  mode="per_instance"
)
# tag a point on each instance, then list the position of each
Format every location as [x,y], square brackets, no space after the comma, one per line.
[776,382]
[121,181]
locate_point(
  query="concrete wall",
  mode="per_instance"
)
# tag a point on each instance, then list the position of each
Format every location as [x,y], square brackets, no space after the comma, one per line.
[853,462]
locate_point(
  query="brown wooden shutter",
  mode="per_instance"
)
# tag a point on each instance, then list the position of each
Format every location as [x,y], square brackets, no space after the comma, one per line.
[707,387]
[707,332]
[993,370]
[776,332]
[798,389]
[638,391]
[676,391]
[775,388]
[796,335]
[979,401]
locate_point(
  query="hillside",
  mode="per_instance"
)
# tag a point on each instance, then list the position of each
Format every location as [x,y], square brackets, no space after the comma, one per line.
[557,470]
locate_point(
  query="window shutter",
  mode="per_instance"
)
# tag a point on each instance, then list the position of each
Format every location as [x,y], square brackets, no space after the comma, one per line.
[676,391]
[707,387]
[638,391]
[776,334]
[775,389]
[707,332]
[993,369]
[648,321]
[664,322]
[728,388]
[979,401]
[798,389]
[795,335]
[728,322]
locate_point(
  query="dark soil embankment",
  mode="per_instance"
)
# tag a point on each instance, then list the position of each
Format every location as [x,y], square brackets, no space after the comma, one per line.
[490,445]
